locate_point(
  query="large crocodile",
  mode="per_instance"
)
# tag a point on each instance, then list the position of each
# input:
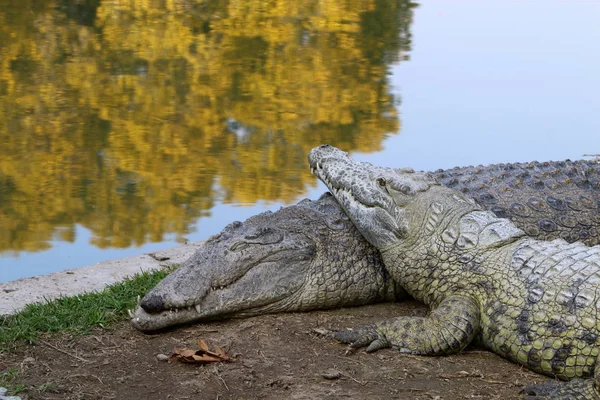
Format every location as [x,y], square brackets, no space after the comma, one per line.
[533,302]
[302,257]
[309,256]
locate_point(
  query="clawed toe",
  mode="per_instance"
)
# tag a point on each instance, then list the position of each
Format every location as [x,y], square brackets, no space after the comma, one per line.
[355,338]
[540,391]
[347,337]
[362,337]
[375,345]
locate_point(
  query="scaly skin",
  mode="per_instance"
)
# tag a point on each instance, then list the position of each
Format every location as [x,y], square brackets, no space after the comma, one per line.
[308,229]
[548,200]
[531,301]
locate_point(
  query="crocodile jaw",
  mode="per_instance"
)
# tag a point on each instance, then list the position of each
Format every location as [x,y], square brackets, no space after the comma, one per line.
[215,306]
[263,289]
[147,322]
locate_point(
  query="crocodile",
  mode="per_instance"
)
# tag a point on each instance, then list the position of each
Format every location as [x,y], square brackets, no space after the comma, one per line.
[533,302]
[272,262]
[316,258]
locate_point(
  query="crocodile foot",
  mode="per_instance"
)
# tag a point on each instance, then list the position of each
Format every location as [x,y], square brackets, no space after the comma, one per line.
[447,329]
[576,389]
[364,336]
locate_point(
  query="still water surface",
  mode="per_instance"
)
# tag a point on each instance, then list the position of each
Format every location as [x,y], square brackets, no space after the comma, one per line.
[126,127]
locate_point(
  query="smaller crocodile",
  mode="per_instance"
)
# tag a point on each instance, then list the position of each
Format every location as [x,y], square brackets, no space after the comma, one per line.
[310,256]
[533,302]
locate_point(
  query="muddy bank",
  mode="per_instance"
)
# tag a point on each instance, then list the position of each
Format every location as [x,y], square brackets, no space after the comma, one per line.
[275,356]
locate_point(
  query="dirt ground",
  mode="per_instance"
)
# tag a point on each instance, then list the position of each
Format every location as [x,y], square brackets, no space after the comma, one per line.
[275,357]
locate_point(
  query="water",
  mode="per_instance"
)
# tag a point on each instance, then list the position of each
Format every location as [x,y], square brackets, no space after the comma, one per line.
[128,127]
[495,81]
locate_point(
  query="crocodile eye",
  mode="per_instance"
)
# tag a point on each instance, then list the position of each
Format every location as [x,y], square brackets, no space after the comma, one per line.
[405,189]
[261,232]
[237,246]
[264,235]
[381,182]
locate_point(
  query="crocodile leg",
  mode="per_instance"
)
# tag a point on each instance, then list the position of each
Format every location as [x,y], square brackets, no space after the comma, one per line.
[447,329]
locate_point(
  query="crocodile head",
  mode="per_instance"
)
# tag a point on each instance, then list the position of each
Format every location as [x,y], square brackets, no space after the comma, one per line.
[298,258]
[375,198]
[399,206]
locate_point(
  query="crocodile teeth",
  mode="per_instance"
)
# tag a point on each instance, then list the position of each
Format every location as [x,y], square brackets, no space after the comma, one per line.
[138,299]
[198,308]
[130,312]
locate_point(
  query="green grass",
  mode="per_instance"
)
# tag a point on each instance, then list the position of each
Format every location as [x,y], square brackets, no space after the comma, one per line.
[7,377]
[77,314]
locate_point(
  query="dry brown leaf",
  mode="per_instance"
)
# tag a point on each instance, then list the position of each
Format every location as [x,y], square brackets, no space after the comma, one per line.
[201,356]
[184,352]
[202,344]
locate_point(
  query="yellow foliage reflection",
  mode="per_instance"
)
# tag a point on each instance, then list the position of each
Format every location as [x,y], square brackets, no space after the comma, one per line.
[132,118]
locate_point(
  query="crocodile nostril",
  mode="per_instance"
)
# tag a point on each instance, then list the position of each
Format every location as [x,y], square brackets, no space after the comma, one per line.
[152,303]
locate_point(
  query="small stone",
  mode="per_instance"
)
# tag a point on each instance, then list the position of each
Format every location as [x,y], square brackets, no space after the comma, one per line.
[162,357]
[332,374]
[246,325]
[3,396]
[29,360]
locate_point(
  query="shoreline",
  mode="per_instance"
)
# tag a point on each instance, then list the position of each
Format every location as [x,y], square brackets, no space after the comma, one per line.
[15,295]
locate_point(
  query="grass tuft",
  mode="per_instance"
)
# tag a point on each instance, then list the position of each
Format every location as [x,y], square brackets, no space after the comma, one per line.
[77,314]
[7,378]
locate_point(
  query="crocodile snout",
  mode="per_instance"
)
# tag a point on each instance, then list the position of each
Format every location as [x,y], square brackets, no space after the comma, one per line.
[152,303]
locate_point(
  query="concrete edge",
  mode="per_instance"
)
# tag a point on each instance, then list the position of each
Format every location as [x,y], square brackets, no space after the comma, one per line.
[15,295]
